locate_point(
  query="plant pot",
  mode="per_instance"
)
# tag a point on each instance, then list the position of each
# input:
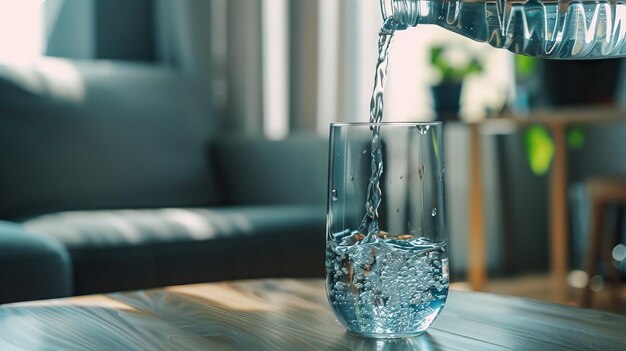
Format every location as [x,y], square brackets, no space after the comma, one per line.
[447,99]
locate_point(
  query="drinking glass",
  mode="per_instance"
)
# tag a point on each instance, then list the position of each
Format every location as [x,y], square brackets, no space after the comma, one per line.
[386,257]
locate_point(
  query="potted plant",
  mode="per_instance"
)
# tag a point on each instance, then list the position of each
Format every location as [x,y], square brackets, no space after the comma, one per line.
[453,63]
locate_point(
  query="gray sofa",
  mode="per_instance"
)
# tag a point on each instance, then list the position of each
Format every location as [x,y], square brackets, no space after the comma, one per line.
[111,179]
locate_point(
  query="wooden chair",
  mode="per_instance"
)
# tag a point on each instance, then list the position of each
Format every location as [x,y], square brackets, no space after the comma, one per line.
[604,193]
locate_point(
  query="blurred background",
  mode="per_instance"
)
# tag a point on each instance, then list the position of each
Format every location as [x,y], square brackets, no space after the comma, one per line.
[285,69]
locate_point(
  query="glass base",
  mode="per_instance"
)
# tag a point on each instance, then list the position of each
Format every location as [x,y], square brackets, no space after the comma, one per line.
[386,335]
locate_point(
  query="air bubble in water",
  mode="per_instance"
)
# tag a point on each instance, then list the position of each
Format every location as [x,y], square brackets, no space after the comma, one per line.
[434,212]
[422,129]
[333,194]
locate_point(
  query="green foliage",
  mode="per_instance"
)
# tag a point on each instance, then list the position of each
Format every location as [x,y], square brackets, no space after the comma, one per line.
[539,149]
[525,65]
[450,67]
[576,138]
[540,146]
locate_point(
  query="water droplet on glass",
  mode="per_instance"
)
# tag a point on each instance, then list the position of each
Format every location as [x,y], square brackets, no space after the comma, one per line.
[397,210]
[401,177]
[421,172]
[422,129]
[434,212]
[365,151]
[333,194]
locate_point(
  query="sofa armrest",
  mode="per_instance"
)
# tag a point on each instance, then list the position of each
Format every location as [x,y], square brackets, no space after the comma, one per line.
[260,171]
[32,266]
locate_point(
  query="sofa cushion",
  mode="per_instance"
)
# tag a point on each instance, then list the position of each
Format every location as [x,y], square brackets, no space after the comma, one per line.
[133,249]
[92,135]
[32,266]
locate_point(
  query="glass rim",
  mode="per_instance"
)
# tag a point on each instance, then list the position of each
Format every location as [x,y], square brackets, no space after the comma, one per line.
[362,124]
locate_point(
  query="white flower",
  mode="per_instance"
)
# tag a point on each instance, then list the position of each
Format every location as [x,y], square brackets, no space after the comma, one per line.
[456,57]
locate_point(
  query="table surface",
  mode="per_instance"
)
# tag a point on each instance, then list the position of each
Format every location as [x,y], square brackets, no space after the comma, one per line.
[289,314]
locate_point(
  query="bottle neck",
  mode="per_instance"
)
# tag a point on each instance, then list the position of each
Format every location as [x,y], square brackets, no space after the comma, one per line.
[405,13]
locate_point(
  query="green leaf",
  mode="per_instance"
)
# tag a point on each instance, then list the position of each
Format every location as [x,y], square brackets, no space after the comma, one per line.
[539,149]
[525,65]
[474,67]
[435,54]
[576,138]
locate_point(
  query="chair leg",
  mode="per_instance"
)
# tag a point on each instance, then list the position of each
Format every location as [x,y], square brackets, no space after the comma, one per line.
[615,276]
[593,249]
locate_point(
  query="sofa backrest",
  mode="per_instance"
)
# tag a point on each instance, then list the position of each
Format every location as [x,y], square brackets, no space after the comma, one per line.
[254,170]
[101,135]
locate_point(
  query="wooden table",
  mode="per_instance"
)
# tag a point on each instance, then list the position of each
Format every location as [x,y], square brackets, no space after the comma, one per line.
[287,314]
[557,121]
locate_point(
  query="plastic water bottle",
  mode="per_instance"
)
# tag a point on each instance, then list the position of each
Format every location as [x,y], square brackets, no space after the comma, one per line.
[560,29]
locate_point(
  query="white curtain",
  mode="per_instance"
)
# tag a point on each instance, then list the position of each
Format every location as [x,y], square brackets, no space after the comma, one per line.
[330,57]
[217,41]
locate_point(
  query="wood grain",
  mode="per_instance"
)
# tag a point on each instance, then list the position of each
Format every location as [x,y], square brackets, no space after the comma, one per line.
[559,229]
[287,314]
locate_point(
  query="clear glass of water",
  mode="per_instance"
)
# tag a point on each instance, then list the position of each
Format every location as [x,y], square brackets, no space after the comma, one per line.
[386,253]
